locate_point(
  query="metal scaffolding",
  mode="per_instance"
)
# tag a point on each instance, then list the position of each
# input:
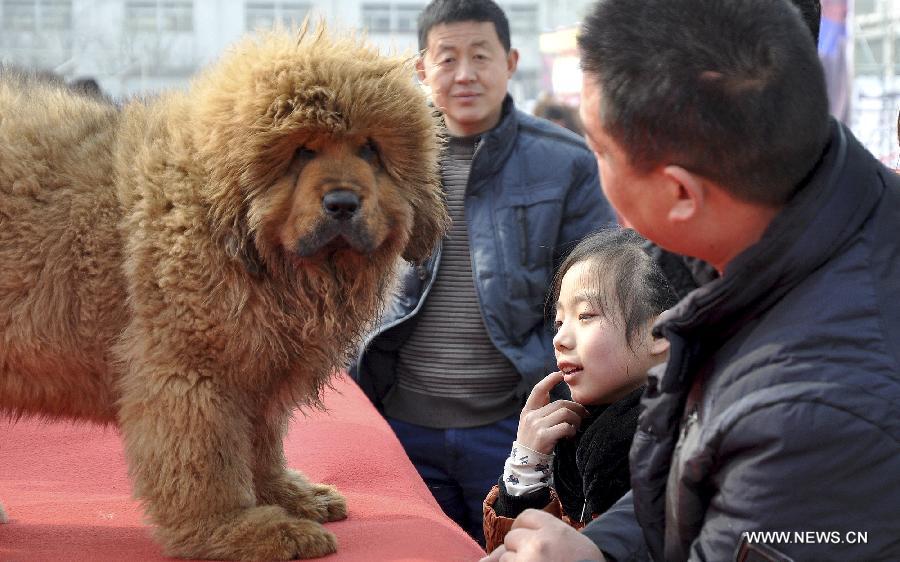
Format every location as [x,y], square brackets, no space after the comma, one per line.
[876,76]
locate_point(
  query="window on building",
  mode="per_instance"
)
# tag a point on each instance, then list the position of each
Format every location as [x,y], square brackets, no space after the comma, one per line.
[140,16]
[869,56]
[55,14]
[377,17]
[155,16]
[259,15]
[36,33]
[36,15]
[19,15]
[391,18]
[864,7]
[523,18]
[407,17]
[877,48]
[897,56]
[176,16]
[264,15]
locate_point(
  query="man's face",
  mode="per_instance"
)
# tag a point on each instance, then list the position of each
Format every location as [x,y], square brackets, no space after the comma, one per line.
[628,191]
[467,69]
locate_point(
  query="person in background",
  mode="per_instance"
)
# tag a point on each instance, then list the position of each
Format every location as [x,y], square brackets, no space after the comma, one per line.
[559,113]
[607,295]
[465,339]
[87,86]
[776,415]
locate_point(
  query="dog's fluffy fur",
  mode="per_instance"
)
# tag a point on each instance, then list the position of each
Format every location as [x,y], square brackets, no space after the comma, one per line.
[170,267]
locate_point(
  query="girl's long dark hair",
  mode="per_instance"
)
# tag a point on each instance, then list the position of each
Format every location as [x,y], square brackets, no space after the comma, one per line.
[630,287]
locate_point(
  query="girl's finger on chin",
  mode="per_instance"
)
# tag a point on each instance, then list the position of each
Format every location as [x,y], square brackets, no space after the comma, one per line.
[580,410]
[562,413]
[573,406]
[551,380]
[540,394]
[572,419]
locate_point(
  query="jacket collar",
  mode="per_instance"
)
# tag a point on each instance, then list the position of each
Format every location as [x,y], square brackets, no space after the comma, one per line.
[816,223]
[496,145]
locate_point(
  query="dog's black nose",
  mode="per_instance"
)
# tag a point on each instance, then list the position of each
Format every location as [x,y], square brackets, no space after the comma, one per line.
[340,204]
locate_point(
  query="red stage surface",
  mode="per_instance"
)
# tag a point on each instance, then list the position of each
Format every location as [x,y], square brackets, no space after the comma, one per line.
[66,490]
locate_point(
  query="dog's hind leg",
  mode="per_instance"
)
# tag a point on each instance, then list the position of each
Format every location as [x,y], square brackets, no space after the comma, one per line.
[189,448]
[277,485]
[3,517]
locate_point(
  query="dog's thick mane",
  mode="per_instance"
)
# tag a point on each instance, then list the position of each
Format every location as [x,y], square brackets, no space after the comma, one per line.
[235,132]
[247,124]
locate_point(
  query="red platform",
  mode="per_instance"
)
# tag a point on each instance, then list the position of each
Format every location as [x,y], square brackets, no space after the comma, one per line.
[66,490]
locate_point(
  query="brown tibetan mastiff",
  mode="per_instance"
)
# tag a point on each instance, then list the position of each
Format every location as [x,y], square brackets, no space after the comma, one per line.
[191,268]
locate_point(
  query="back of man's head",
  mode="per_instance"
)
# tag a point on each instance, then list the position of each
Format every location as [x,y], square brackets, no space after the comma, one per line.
[452,11]
[811,11]
[731,90]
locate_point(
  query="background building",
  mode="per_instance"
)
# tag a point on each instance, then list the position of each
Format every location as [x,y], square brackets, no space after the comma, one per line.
[138,47]
[142,46]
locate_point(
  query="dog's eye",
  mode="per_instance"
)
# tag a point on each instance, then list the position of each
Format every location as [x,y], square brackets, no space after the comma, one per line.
[369,152]
[304,152]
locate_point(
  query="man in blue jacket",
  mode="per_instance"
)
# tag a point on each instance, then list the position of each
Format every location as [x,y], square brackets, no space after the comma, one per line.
[466,337]
[774,430]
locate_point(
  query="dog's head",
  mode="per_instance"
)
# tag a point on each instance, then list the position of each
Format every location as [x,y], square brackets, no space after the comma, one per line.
[317,149]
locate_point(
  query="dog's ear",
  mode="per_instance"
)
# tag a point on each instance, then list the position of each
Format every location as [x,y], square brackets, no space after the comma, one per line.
[240,245]
[430,223]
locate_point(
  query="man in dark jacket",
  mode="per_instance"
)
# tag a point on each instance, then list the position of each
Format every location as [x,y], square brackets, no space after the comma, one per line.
[775,427]
[466,337]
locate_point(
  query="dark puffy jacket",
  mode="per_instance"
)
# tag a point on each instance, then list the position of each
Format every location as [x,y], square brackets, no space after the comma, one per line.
[790,368]
[533,193]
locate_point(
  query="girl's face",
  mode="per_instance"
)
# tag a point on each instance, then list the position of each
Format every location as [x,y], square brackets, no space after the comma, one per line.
[591,349]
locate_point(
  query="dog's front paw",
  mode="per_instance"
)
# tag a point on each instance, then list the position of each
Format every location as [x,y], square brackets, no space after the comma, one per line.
[330,501]
[258,533]
[302,498]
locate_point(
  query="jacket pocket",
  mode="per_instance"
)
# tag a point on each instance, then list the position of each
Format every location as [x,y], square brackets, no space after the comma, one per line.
[527,224]
[522,219]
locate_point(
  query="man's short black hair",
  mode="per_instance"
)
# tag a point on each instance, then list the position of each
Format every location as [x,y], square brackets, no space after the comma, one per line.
[729,89]
[453,11]
[811,11]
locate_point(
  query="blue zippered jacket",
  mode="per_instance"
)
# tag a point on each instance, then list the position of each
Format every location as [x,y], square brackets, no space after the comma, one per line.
[533,193]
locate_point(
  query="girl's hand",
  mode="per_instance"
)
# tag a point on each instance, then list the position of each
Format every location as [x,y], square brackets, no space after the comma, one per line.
[542,422]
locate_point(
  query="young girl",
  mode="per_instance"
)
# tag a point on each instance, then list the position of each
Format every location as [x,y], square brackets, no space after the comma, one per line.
[607,294]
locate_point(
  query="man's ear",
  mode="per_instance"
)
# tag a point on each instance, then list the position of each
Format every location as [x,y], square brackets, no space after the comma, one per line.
[420,68]
[512,62]
[659,347]
[688,193]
